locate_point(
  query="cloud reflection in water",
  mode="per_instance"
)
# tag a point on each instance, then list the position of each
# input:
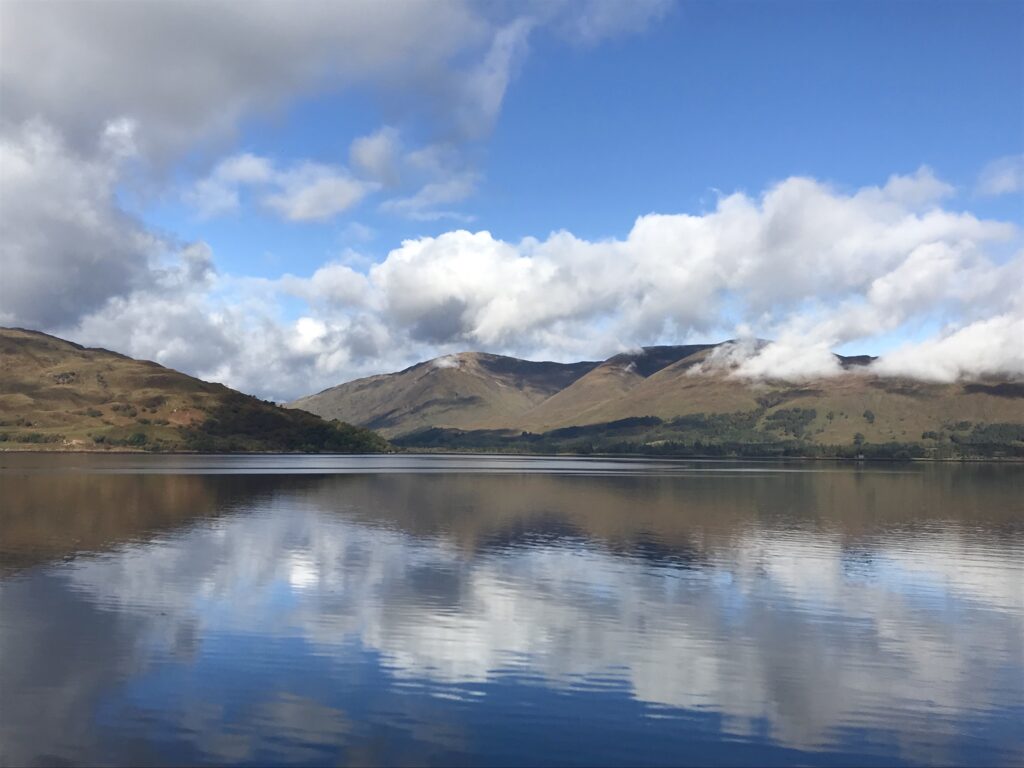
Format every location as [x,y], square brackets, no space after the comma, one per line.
[813,612]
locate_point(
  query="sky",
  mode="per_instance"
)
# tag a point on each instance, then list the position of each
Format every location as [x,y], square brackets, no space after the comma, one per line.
[283,196]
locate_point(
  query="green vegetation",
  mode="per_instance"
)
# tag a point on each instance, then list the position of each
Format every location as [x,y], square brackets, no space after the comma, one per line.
[30,437]
[791,421]
[244,423]
[754,433]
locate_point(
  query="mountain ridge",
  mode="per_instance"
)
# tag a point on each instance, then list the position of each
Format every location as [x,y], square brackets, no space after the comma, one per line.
[656,395]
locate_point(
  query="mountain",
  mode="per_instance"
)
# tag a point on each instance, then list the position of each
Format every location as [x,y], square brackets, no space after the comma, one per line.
[662,399]
[56,395]
[466,391]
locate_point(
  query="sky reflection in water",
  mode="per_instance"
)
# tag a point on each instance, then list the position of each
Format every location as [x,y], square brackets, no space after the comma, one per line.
[540,612]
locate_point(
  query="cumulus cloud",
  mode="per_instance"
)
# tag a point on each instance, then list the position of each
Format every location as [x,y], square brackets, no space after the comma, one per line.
[58,59]
[803,264]
[990,347]
[806,264]
[78,66]
[90,91]
[800,250]
[67,247]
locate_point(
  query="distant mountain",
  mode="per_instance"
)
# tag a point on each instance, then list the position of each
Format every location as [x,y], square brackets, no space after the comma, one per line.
[465,390]
[663,400]
[56,395]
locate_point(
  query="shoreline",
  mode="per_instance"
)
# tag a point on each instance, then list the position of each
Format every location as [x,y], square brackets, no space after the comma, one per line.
[595,455]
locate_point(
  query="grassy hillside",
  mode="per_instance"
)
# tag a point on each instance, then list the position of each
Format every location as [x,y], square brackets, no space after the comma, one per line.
[55,395]
[467,390]
[659,401]
[607,388]
[782,432]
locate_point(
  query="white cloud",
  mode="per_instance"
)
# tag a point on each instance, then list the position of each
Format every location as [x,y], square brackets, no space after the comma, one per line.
[314,192]
[66,245]
[791,359]
[77,64]
[426,204]
[802,249]
[309,191]
[306,192]
[80,66]
[483,88]
[803,264]
[434,177]
[1004,176]
[218,193]
[990,347]
[334,284]
[91,91]
[245,169]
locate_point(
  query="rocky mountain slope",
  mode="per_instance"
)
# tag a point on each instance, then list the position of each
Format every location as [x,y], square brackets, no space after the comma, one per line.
[56,395]
[664,399]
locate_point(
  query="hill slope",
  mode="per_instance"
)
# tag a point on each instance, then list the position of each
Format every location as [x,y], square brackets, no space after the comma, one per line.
[591,397]
[467,391]
[659,400]
[56,395]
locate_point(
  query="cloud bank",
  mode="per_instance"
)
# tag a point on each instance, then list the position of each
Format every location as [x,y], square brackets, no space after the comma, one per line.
[240,59]
[804,262]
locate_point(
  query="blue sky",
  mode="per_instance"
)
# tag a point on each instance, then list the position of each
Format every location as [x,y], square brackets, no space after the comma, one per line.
[357,186]
[715,97]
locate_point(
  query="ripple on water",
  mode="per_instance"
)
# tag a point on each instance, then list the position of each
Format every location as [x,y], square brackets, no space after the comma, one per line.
[312,610]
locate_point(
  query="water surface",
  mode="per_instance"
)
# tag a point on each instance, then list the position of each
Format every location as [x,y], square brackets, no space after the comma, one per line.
[483,610]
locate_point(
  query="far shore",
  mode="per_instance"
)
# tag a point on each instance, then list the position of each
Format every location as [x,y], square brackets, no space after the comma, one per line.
[426,452]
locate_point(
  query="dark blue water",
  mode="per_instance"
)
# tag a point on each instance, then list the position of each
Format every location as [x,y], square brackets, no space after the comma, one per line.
[483,611]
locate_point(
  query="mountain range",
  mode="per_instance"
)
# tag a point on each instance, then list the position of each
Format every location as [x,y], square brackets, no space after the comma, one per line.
[676,399]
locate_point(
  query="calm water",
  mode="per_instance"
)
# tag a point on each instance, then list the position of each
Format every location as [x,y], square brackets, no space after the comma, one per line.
[403,610]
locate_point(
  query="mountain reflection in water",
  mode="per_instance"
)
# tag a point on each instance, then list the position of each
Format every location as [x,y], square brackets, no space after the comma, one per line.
[170,610]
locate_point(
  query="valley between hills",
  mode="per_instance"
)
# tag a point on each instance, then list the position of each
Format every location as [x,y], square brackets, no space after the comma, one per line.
[667,400]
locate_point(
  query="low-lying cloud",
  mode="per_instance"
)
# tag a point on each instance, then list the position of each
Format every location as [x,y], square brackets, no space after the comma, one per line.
[804,264]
